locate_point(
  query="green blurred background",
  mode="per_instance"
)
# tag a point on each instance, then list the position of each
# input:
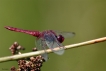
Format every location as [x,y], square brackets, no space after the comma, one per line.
[87,18]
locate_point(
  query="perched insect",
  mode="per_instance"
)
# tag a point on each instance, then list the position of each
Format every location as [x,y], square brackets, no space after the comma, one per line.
[48,38]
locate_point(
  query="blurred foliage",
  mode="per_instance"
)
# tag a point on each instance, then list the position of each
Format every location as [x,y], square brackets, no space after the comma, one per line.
[86,18]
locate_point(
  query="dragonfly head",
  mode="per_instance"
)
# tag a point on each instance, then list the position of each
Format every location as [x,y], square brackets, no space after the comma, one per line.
[60,38]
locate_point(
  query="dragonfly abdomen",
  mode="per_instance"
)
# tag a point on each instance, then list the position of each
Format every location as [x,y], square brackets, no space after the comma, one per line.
[33,33]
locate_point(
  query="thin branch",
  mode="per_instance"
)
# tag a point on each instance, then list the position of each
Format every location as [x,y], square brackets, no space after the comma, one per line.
[24,55]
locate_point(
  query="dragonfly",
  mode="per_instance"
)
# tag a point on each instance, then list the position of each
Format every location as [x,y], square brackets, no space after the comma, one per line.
[47,38]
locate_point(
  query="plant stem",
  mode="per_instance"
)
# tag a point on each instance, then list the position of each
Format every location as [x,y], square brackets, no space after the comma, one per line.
[24,55]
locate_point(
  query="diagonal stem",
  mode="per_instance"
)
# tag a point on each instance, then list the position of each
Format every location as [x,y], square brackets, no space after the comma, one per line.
[24,55]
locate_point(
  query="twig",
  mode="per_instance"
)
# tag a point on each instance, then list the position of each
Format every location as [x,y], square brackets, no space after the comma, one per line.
[24,55]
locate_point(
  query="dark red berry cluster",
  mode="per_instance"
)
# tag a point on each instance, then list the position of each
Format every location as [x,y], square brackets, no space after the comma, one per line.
[26,64]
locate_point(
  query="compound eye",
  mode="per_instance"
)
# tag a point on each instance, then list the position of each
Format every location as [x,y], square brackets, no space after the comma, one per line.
[60,38]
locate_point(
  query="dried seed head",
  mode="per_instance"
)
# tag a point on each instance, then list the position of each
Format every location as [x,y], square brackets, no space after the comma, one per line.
[32,58]
[34,49]
[13,68]
[20,48]
[16,44]
[33,63]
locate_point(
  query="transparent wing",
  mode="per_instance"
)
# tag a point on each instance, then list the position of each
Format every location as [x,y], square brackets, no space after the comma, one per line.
[41,45]
[65,34]
[52,43]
